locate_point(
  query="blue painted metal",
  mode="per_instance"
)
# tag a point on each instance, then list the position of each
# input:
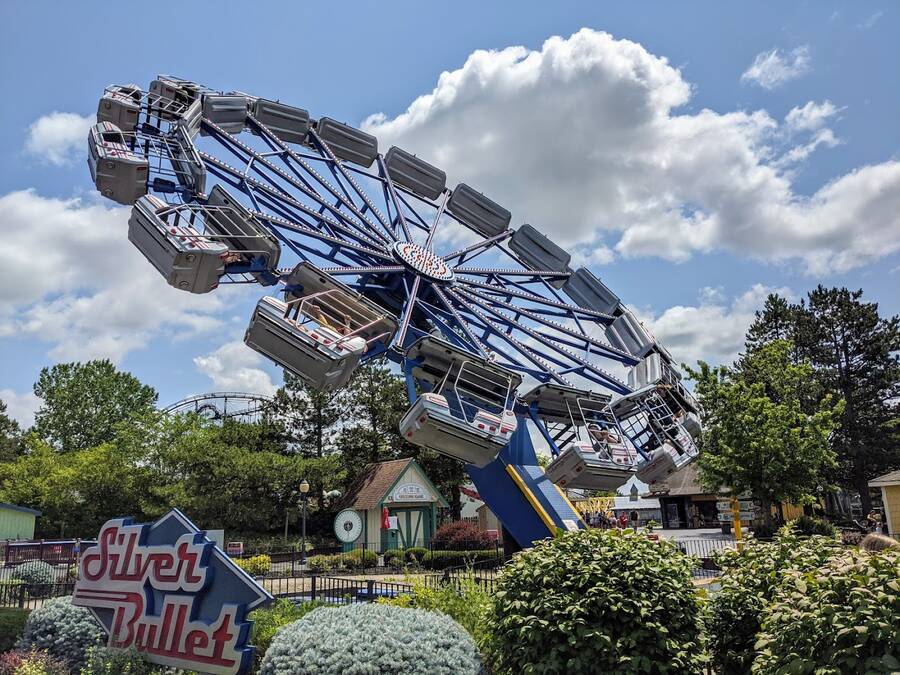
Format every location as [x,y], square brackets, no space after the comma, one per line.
[345,219]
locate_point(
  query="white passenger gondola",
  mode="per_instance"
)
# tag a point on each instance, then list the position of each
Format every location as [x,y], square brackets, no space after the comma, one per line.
[661,433]
[118,173]
[121,105]
[170,96]
[596,456]
[468,412]
[320,330]
[166,235]
[235,226]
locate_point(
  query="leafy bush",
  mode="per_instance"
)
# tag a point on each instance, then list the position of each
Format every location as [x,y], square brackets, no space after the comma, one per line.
[415,554]
[439,560]
[105,661]
[32,662]
[461,535]
[12,623]
[466,603]
[38,577]
[596,601]
[393,557]
[807,526]
[267,622]
[65,631]
[843,618]
[372,638]
[748,580]
[322,563]
[255,566]
[851,537]
[358,559]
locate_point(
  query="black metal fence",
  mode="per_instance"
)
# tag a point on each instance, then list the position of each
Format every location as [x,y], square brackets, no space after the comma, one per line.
[35,589]
[369,557]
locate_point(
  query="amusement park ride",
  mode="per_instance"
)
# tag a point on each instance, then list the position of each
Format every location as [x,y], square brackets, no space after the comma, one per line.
[367,255]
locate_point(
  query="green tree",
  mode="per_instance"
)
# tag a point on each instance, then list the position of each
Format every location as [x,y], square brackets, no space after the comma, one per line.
[308,416]
[376,400]
[757,437]
[83,402]
[11,440]
[855,355]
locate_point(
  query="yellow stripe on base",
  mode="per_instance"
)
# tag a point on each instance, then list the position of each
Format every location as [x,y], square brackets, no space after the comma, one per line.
[529,495]
[562,494]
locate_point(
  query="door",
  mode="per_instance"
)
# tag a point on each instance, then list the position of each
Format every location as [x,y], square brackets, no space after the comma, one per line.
[414,526]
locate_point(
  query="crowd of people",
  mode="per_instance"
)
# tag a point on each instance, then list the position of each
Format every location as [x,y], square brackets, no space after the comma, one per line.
[607,520]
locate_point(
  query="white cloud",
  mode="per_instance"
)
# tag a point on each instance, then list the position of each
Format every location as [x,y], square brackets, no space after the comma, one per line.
[234,367]
[72,279]
[59,137]
[773,68]
[811,116]
[714,329]
[20,406]
[583,138]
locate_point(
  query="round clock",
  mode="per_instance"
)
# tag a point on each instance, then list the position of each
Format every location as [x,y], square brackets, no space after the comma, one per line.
[348,526]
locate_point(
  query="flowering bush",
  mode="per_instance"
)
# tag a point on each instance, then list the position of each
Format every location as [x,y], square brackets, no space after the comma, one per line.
[372,638]
[748,580]
[461,536]
[255,566]
[31,662]
[38,577]
[841,618]
[63,630]
[596,601]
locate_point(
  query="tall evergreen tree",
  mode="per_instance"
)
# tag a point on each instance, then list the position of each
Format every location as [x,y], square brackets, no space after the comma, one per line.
[777,320]
[308,416]
[854,353]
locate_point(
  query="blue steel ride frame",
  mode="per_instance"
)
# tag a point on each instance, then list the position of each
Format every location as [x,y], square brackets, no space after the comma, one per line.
[411,256]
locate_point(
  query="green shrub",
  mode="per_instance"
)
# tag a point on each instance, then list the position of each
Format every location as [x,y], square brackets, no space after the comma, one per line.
[466,603]
[748,580]
[31,662]
[63,630]
[105,661]
[359,559]
[393,557]
[808,526]
[415,554]
[596,601]
[267,622]
[372,638]
[322,563]
[12,623]
[255,566]
[842,618]
[439,560]
[38,577]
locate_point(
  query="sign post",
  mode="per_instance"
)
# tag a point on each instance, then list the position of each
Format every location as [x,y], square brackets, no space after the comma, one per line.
[168,592]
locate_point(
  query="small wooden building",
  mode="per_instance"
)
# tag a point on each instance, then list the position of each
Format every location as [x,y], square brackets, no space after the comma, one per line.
[17,522]
[410,497]
[890,498]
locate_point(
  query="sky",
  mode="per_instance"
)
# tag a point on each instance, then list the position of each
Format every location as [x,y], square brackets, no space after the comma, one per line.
[696,156]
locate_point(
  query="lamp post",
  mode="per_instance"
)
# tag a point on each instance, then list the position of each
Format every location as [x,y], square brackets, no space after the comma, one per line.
[304,492]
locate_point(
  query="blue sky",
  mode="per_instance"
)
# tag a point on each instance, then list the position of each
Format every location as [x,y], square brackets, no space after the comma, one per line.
[663,158]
